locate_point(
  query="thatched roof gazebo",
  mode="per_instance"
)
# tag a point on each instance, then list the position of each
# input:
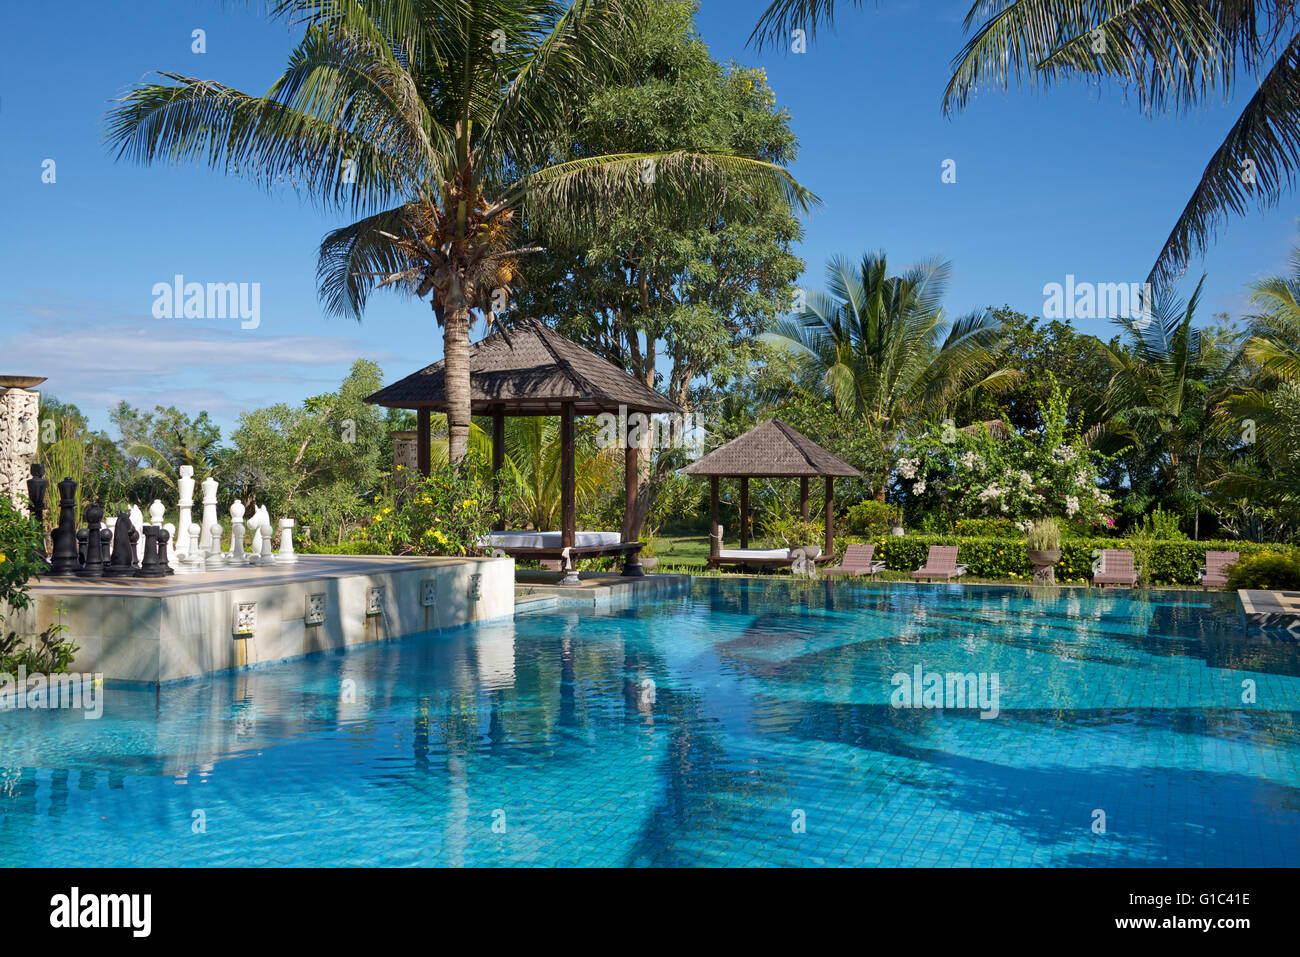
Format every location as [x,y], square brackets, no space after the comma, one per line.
[526,369]
[769,450]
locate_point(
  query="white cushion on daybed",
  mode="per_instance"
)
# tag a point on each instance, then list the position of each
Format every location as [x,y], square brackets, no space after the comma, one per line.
[782,553]
[548,539]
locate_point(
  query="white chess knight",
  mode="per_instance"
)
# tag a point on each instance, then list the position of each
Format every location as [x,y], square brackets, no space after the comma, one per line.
[137,522]
[260,552]
[286,554]
[193,562]
[237,532]
[213,555]
[185,486]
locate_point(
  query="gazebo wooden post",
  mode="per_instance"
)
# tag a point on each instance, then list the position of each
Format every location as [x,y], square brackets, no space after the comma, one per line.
[803,498]
[631,484]
[423,455]
[744,512]
[498,460]
[830,516]
[568,478]
[715,533]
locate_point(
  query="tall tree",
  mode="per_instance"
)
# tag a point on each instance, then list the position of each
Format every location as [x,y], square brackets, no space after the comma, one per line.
[879,347]
[1167,55]
[447,108]
[673,297]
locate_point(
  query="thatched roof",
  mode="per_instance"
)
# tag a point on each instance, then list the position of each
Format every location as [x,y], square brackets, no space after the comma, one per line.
[996,427]
[772,450]
[529,369]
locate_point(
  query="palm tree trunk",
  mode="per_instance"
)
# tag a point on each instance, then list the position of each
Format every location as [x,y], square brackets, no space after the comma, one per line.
[455,346]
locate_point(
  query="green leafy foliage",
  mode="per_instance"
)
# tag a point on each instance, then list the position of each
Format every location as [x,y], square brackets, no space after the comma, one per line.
[1266,569]
[447,513]
[1171,563]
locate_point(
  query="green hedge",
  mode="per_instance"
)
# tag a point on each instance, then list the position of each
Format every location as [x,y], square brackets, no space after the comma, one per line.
[1170,562]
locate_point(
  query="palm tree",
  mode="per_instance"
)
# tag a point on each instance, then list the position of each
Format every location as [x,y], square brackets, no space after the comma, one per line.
[1166,381]
[1265,409]
[533,456]
[433,120]
[879,347]
[1166,54]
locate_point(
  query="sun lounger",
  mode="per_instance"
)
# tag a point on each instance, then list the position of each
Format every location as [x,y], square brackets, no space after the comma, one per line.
[941,562]
[858,560]
[1217,566]
[1116,568]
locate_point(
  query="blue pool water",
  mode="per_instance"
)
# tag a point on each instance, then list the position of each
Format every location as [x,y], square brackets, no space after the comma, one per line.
[747,724]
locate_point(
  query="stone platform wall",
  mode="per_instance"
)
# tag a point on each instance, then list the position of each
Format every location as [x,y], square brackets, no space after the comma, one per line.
[188,625]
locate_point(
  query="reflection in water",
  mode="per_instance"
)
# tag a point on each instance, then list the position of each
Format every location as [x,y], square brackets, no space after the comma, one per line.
[692,732]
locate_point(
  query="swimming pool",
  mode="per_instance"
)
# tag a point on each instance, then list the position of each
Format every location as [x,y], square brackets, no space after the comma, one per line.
[750,723]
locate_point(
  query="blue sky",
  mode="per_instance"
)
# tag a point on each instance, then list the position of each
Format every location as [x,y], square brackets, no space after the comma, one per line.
[1074,182]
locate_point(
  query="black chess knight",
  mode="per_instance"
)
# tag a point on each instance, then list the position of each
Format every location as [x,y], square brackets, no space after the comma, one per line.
[122,562]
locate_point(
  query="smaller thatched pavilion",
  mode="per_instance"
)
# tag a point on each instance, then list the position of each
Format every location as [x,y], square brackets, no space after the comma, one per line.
[770,450]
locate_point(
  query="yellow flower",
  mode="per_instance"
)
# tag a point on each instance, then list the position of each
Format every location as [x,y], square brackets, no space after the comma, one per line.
[386,511]
[3,558]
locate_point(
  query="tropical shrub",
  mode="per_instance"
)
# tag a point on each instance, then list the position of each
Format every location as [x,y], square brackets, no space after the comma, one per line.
[448,512]
[1007,474]
[20,539]
[871,518]
[1266,569]
[985,528]
[1170,563]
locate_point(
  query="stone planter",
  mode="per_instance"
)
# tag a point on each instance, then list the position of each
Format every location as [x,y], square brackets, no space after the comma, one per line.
[1044,563]
[897,530]
[649,563]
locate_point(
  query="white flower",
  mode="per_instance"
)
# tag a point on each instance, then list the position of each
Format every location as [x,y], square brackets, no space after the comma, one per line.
[971,460]
[1064,453]
[1071,505]
[1026,478]
[907,468]
[919,487]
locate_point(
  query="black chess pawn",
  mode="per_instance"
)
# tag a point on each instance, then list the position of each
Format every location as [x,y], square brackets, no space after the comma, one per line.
[163,560]
[122,563]
[149,565]
[105,544]
[37,487]
[66,557]
[94,542]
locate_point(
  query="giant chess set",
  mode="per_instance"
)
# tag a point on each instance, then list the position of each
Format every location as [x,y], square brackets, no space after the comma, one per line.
[128,548]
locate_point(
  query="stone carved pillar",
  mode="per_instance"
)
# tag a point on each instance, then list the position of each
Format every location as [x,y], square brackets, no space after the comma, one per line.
[20,410]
